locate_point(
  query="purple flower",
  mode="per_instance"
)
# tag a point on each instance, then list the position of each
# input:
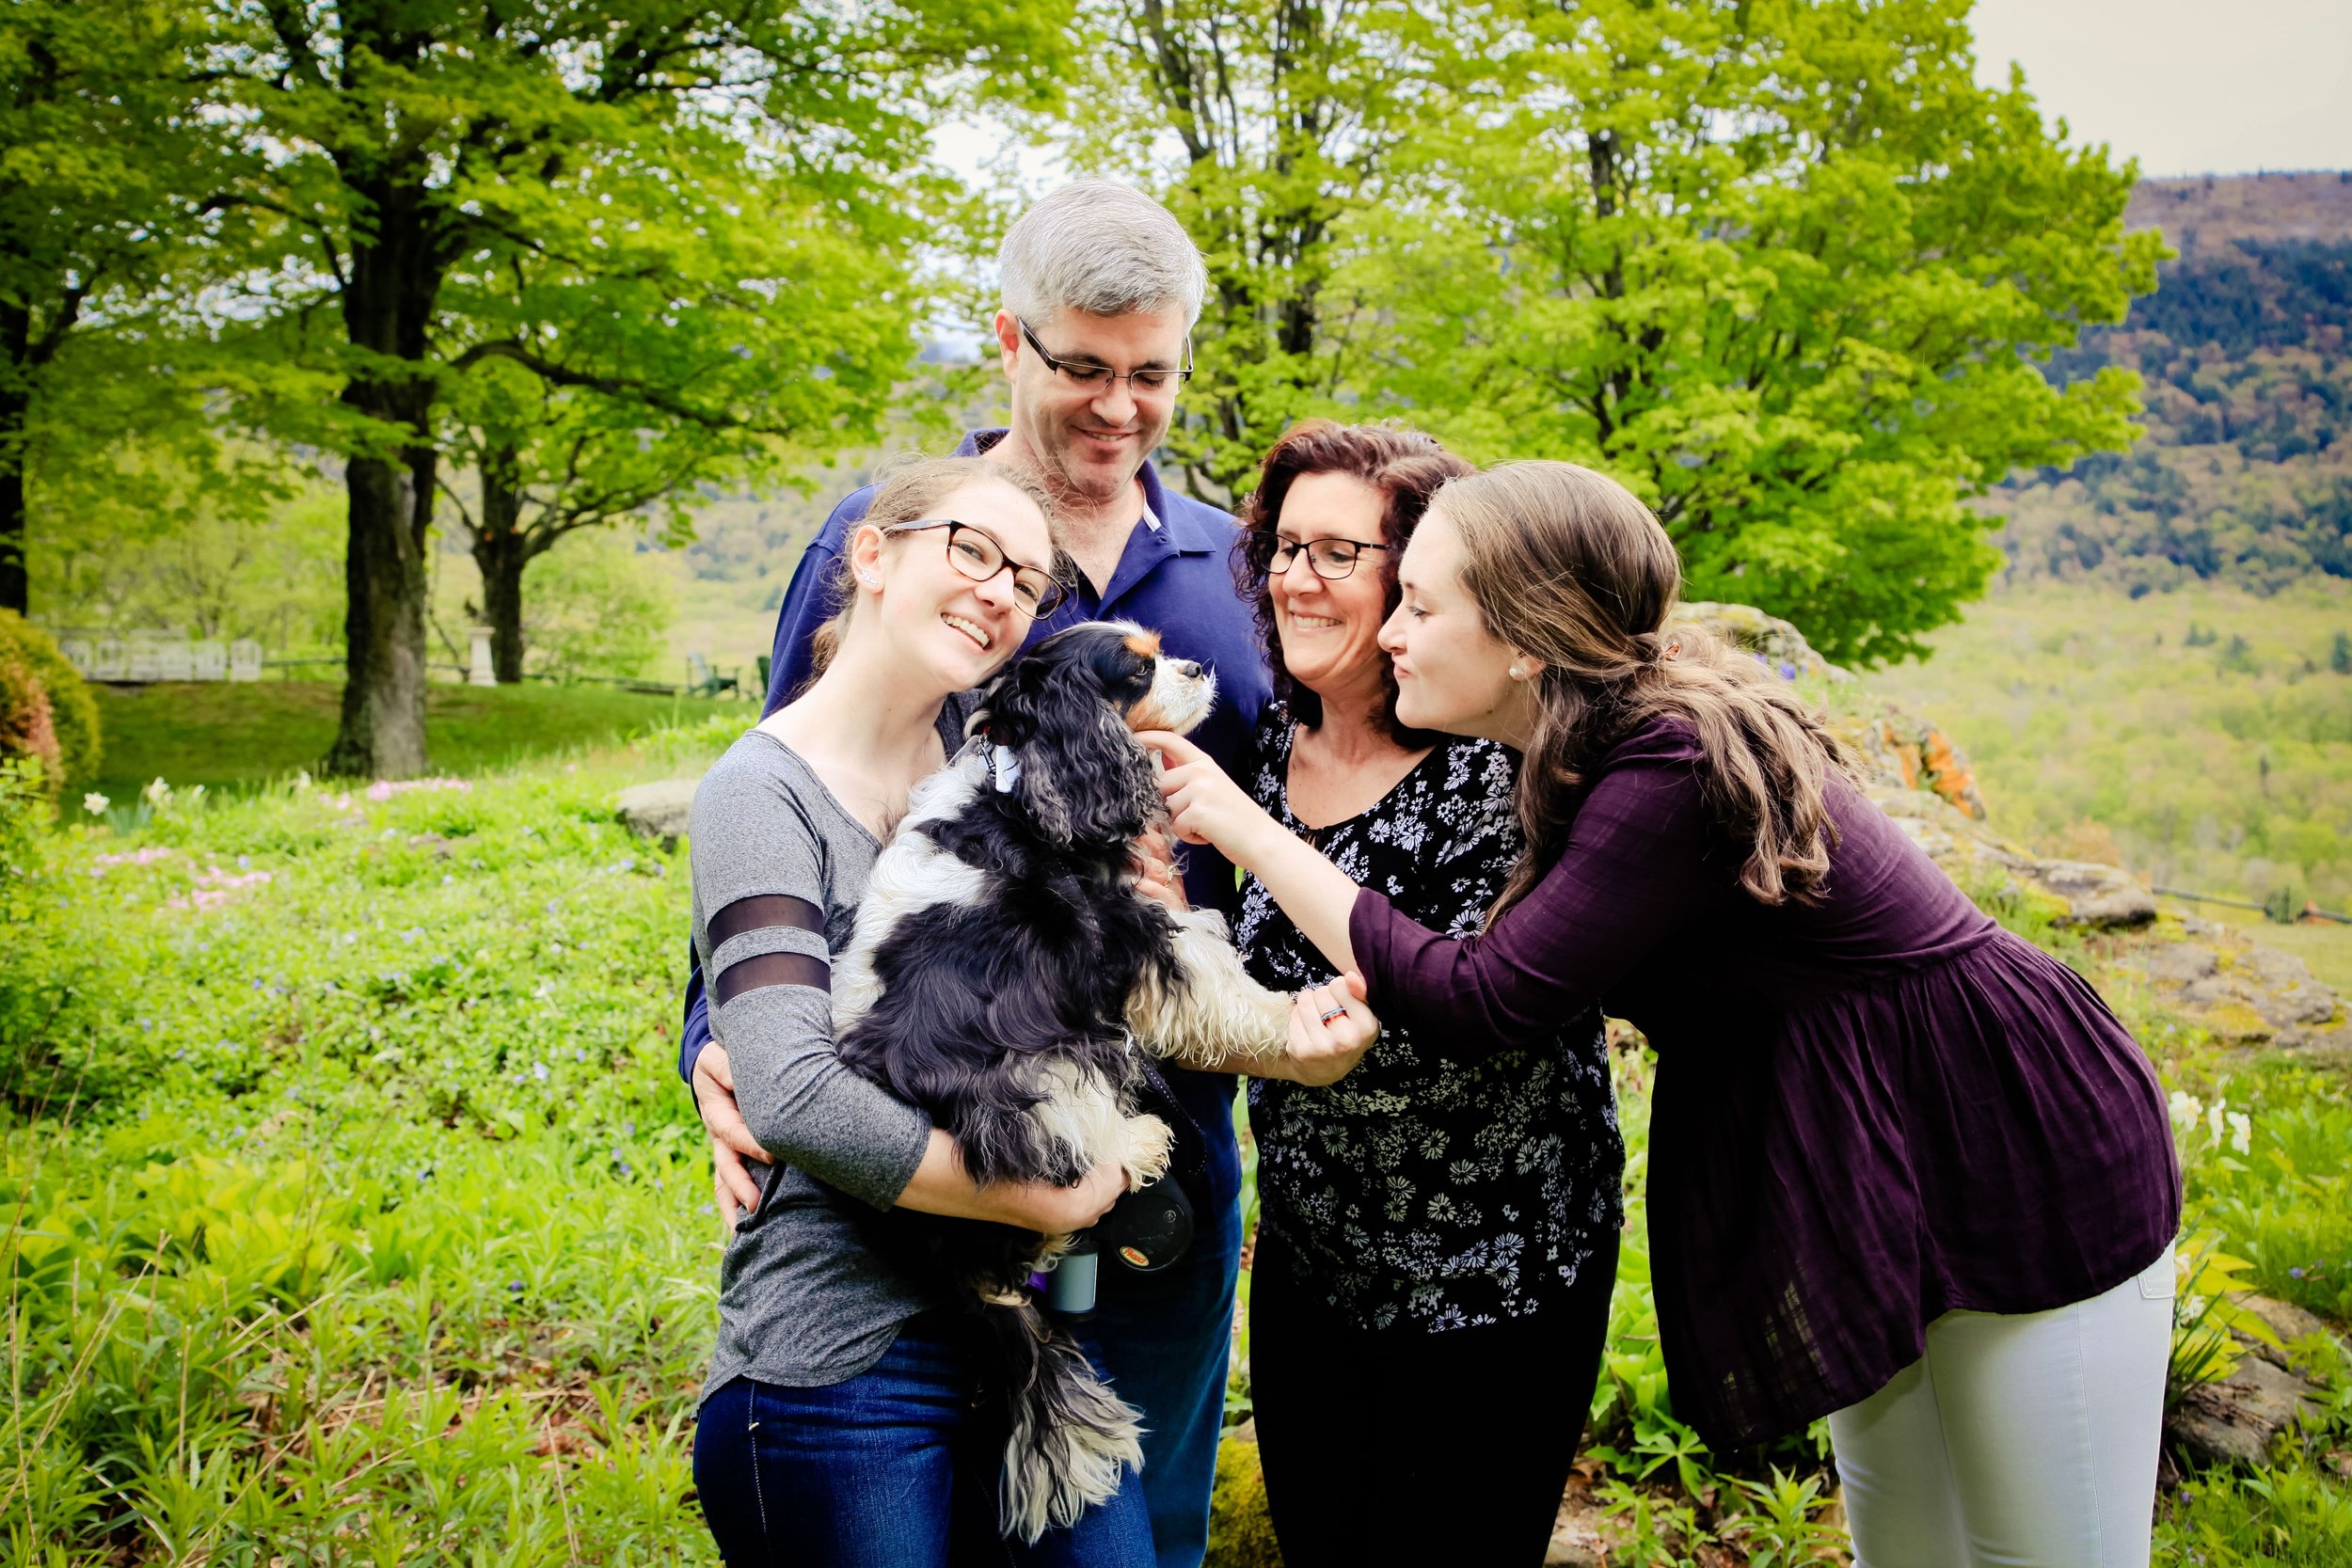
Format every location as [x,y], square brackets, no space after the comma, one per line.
[2294,1274]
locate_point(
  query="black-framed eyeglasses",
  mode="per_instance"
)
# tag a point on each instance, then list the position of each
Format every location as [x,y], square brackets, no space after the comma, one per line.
[1086,373]
[1328,559]
[975,552]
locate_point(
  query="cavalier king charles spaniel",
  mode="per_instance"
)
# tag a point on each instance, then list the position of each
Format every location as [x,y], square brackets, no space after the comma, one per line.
[1003,974]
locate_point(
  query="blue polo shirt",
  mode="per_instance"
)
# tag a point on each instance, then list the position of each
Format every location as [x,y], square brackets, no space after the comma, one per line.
[1175,576]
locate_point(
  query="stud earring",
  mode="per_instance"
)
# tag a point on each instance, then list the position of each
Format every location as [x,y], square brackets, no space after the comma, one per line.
[870,579]
[1517,674]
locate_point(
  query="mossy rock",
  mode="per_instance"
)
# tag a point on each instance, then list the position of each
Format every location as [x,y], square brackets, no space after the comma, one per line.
[2238,1024]
[1240,1534]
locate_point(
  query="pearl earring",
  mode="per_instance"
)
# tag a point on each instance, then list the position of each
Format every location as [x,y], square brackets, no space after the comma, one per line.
[1517,674]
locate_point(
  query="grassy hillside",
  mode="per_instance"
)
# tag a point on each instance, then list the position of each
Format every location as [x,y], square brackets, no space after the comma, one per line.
[2203,736]
[359,1217]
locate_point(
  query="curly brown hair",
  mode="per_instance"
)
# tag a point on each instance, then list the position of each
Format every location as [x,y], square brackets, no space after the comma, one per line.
[1406,466]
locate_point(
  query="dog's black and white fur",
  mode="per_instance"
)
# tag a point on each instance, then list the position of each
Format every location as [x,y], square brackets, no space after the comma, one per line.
[1003,970]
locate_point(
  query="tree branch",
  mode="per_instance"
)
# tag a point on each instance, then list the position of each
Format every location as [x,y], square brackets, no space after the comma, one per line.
[612,386]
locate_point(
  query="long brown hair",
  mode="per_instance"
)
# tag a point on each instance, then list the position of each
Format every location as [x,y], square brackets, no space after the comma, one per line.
[1567,565]
[1406,467]
[908,495]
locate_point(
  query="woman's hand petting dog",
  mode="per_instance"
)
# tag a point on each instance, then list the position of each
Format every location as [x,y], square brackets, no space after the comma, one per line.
[1324,1051]
[1153,863]
[731,1140]
[1204,805]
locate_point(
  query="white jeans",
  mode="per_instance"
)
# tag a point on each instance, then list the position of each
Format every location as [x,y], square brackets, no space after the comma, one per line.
[2017,1441]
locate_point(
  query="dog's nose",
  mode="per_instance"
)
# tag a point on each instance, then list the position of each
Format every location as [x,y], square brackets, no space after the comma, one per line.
[1188,667]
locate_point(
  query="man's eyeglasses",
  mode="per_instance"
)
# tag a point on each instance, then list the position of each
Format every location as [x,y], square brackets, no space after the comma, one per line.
[971,550]
[1328,559]
[1085,372]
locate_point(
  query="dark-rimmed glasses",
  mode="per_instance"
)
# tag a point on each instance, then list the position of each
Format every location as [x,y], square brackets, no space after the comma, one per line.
[1086,373]
[1328,559]
[973,551]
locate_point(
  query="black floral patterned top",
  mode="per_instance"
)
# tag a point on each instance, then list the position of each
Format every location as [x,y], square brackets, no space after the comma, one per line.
[1443,1183]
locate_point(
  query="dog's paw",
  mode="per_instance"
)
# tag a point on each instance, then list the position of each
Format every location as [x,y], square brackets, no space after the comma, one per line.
[1150,1144]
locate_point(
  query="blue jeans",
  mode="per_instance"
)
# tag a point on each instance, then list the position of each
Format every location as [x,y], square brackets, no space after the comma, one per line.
[892,1469]
[1165,1340]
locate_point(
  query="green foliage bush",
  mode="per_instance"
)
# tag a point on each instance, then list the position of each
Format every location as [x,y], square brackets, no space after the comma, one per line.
[45,710]
[360,1212]
[595,604]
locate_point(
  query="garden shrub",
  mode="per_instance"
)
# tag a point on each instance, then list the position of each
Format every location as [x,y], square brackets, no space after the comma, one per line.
[46,711]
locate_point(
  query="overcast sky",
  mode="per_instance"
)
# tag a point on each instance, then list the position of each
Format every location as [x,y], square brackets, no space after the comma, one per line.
[2187,86]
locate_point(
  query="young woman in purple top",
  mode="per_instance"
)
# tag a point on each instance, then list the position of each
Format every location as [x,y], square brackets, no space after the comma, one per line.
[1906,1170]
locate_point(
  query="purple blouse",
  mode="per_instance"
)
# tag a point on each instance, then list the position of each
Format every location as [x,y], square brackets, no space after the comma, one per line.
[1870,1111]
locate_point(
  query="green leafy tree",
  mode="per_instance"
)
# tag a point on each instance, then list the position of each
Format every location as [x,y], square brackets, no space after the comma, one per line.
[412,140]
[1284,115]
[722,332]
[599,607]
[105,165]
[1783,267]
[217,537]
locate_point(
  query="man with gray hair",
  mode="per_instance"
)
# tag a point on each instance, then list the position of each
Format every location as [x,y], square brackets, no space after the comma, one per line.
[1101,289]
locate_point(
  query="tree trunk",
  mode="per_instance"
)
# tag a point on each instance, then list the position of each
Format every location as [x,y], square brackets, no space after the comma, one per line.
[15,406]
[501,550]
[15,582]
[388,307]
[382,734]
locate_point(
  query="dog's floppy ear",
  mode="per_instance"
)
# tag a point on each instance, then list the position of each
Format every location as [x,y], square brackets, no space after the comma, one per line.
[1083,778]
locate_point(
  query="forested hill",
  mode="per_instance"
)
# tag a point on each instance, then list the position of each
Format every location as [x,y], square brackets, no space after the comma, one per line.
[2245,475]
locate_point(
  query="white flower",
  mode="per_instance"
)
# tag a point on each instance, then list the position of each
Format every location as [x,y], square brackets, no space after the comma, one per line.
[2241,1133]
[2212,1118]
[196,795]
[2185,1108]
[95,803]
[301,779]
[158,793]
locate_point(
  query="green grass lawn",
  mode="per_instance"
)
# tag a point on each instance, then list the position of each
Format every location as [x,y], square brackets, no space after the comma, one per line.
[224,737]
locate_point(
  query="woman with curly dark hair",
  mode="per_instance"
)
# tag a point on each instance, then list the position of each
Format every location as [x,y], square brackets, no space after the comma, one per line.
[1438,1232]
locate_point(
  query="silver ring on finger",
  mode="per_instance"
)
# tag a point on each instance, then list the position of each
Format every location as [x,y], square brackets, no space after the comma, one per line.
[1328,1017]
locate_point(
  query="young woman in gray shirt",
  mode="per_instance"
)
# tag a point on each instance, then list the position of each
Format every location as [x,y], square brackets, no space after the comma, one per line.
[839,1423]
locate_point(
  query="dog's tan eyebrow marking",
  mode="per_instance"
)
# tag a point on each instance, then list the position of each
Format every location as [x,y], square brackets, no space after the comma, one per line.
[768,911]
[1144,643]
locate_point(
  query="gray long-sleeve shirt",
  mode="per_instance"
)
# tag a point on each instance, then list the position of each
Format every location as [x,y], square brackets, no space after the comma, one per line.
[802,1300]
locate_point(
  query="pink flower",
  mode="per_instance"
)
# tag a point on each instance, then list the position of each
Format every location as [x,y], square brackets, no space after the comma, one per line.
[384,790]
[147,856]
